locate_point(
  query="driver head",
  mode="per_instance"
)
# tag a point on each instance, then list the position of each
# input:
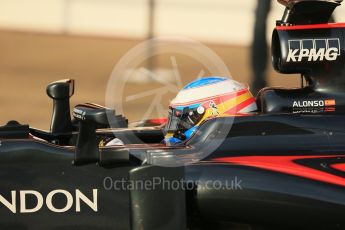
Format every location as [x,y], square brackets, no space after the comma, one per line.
[204,99]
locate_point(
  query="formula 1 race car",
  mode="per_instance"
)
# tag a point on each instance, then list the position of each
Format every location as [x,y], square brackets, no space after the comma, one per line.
[280,168]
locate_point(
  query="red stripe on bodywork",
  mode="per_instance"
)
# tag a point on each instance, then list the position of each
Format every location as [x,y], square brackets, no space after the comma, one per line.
[340,167]
[286,164]
[311,27]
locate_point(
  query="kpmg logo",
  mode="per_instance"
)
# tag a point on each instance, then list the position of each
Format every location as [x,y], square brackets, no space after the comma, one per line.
[312,50]
[37,200]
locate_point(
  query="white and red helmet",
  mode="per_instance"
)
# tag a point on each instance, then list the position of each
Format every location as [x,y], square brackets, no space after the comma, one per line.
[203,99]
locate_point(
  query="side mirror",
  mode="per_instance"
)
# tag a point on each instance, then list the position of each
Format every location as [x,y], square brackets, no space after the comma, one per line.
[60,92]
[89,117]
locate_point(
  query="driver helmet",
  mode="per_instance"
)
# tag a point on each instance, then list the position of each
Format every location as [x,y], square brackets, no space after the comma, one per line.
[204,99]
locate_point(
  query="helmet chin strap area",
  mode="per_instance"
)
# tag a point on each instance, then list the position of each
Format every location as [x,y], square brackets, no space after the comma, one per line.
[180,135]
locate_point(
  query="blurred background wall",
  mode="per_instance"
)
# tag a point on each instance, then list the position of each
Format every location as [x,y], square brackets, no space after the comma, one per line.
[204,20]
[47,40]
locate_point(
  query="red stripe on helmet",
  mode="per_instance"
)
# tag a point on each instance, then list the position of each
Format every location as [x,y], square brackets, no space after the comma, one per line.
[240,106]
[216,98]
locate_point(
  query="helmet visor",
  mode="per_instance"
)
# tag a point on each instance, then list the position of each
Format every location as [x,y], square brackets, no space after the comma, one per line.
[183,120]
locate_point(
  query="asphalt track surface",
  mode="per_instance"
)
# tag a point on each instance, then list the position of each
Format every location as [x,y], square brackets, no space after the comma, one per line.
[29,61]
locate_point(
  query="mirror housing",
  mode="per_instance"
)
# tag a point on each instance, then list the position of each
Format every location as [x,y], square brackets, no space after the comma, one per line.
[92,113]
[89,117]
[60,92]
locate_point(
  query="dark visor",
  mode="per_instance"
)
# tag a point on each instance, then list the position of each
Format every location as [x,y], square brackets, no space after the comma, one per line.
[182,120]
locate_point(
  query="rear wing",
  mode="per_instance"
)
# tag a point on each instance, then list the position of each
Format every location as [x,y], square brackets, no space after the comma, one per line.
[303,12]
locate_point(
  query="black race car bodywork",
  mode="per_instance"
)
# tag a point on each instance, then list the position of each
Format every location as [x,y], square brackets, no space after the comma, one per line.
[283,167]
